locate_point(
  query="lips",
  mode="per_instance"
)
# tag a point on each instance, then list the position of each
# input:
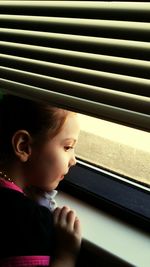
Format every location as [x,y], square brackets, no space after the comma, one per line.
[62,177]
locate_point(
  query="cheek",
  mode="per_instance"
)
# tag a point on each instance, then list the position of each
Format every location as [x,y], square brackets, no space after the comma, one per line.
[39,164]
[46,166]
[59,163]
[52,163]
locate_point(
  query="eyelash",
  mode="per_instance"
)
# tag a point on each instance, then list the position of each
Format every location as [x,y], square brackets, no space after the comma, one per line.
[68,148]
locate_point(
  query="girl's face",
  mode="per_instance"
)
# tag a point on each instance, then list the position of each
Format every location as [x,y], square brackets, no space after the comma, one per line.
[50,161]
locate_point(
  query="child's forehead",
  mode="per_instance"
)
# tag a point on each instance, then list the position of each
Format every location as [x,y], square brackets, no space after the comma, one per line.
[71,124]
[70,129]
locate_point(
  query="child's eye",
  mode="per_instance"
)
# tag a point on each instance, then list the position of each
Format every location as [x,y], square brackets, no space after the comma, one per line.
[68,148]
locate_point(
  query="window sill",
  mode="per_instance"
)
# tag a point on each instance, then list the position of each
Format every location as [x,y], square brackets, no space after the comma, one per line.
[110,234]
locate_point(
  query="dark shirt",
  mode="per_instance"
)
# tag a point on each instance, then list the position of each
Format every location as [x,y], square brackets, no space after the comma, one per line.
[26,228]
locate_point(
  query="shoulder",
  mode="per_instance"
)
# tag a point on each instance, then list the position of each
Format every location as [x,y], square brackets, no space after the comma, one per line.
[17,204]
[25,222]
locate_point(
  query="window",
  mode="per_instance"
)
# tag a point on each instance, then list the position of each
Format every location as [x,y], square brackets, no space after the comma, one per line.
[91,57]
[116,148]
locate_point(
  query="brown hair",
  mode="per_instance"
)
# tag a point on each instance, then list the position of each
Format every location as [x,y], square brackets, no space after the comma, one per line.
[42,121]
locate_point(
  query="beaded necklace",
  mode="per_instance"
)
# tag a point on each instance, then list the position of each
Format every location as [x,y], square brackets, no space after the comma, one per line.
[5,177]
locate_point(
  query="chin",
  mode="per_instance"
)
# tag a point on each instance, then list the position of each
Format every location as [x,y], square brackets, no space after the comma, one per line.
[51,187]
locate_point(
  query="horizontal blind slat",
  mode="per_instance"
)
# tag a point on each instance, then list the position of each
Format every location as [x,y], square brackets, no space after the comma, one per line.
[130,7]
[90,27]
[131,67]
[84,91]
[90,9]
[95,54]
[110,80]
[77,22]
[80,105]
[116,47]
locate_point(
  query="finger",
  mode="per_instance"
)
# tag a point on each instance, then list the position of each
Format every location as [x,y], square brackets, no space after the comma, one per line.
[71,219]
[56,214]
[63,215]
[77,226]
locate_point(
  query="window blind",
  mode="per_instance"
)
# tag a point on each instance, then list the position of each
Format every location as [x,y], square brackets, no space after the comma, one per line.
[89,56]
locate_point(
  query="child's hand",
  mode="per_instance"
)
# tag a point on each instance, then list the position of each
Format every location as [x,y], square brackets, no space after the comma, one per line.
[68,233]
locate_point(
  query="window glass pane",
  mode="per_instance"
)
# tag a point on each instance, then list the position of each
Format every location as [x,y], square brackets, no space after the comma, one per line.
[117,148]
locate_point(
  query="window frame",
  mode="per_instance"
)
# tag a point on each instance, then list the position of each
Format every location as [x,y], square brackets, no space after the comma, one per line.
[108,192]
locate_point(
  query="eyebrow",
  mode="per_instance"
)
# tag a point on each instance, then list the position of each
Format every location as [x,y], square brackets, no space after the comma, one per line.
[70,139]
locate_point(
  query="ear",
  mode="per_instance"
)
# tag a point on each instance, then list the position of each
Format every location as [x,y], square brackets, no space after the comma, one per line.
[21,142]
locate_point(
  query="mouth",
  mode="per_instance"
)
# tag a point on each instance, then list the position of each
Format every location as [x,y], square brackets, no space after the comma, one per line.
[62,177]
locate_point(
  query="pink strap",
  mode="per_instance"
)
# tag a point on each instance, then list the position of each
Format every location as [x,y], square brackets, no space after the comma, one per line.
[7,184]
[25,261]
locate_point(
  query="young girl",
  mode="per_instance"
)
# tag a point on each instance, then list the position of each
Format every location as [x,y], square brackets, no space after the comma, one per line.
[36,151]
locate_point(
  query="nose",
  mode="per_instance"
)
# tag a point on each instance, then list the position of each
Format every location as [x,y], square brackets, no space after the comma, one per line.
[72,161]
